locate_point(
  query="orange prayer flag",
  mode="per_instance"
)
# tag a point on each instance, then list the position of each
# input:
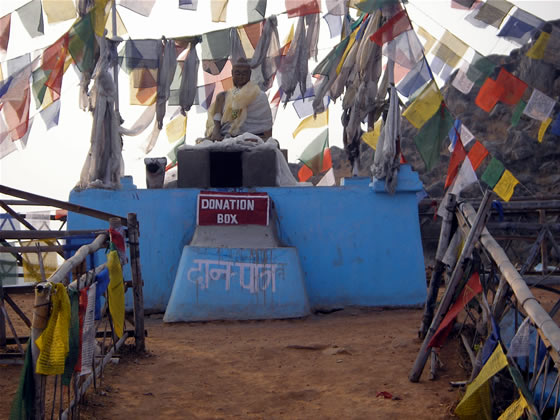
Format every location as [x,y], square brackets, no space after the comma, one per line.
[253,31]
[54,58]
[304,173]
[392,28]
[457,157]
[477,154]
[302,7]
[5,31]
[489,95]
[327,160]
[513,87]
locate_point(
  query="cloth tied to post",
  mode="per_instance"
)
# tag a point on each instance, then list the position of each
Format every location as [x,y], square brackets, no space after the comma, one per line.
[115,292]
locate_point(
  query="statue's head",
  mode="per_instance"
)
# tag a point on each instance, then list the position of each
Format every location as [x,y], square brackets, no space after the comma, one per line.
[241,72]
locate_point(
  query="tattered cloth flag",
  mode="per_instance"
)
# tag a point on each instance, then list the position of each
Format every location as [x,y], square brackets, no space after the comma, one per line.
[513,87]
[520,26]
[73,338]
[143,7]
[430,138]
[489,95]
[415,79]
[537,50]
[543,128]
[493,172]
[457,158]
[176,128]
[395,26]
[5,32]
[313,121]
[493,12]
[540,106]
[426,104]
[31,16]
[115,292]
[314,156]
[459,130]
[465,177]
[519,346]
[81,44]
[477,154]
[506,185]
[302,7]
[87,327]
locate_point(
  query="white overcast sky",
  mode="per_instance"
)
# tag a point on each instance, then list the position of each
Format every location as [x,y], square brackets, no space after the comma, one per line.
[51,163]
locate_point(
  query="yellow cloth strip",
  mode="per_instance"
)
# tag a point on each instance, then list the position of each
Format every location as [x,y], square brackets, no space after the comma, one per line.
[372,137]
[430,40]
[115,292]
[176,128]
[424,106]
[311,122]
[347,50]
[506,185]
[515,410]
[100,15]
[543,128]
[537,50]
[59,10]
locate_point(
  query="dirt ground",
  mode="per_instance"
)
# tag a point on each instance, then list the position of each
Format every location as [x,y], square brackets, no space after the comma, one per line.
[323,367]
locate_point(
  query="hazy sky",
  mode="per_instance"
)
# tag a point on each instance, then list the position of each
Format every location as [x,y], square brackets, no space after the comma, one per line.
[51,163]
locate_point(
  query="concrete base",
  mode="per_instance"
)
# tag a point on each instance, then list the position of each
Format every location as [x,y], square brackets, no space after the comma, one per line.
[237,284]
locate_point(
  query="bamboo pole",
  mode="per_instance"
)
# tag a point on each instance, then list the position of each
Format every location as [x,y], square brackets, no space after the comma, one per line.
[439,269]
[137,282]
[477,226]
[2,320]
[45,234]
[528,302]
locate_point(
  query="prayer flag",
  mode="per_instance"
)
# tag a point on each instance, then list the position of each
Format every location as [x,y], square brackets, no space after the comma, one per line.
[537,50]
[372,137]
[100,11]
[426,104]
[506,185]
[256,10]
[476,401]
[539,106]
[480,68]
[519,346]
[143,7]
[142,53]
[464,134]
[415,79]
[54,59]
[489,95]
[143,86]
[328,179]
[430,137]
[313,155]
[477,154]
[188,4]
[216,45]
[121,29]
[493,172]
[304,173]
[51,114]
[543,128]
[519,26]
[218,9]
[81,44]
[405,49]
[176,128]
[302,7]
[395,26]
[370,6]
[515,410]
[493,12]
[336,7]
[5,22]
[465,177]
[513,87]
[450,49]
[335,24]
[457,158]
[556,125]
[517,111]
[31,16]
[430,40]
[115,292]
[304,106]
[59,10]
[204,95]
[16,111]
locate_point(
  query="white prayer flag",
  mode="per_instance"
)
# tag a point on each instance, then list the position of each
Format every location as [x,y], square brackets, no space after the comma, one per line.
[88,332]
[466,135]
[519,346]
[461,82]
[328,179]
[465,177]
[539,106]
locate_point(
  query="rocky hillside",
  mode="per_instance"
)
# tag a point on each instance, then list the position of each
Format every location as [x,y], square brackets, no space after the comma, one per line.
[534,164]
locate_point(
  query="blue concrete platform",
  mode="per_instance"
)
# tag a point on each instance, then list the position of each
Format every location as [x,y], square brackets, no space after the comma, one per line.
[236,284]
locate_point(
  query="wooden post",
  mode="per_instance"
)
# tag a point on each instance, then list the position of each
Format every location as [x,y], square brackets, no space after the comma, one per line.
[137,282]
[544,252]
[40,319]
[2,320]
[437,274]
[472,238]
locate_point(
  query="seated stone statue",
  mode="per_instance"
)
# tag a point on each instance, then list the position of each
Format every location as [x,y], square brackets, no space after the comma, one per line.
[242,109]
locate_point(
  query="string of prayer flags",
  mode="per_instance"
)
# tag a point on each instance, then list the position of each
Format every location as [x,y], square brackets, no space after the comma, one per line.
[176,128]
[476,401]
[395,26]
[493,12]
[5,23]
[536,52]
[543,128]
[540,106]
[513,87]
[477,154]
[188,4]
[465,177]
[520,26]
[430,137]
[506,185]
[143,7]
[218,10]
[256,10]
[517,112]
[81,44]
[31,16]
[426,104]
[59,10]
[493,172]
[489,95]
[302,7]
[415,79]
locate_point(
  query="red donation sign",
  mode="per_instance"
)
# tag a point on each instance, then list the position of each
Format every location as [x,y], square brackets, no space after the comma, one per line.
[231,208]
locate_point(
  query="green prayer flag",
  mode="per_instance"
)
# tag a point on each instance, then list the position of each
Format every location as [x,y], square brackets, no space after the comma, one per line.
[493,172]
[24,400]
[74,337]
[330,62]
[480,69]
[216,45]
[39,87]
[312,156]
[81,44]
[370,6]
[517,111]
[431,136]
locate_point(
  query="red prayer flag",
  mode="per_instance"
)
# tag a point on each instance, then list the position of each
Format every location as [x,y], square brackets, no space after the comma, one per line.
[327,160]
[477,154]
[304,173]
[471,289]
[513,87]
[392,28]
[457,157]
[54,58]
[302,7]
[5,31]
[16,114]
[489,95]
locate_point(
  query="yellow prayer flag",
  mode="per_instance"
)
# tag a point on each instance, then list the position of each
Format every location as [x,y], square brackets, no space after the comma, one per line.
[505,186]
[347,50]
[537,50]
[515,410]
[115,292]
[245,42]
[290,36]
[219,10]
[176,128]
[424,106]
[430,40]
[543,128]
[474,402]
[121,29]
[100,14]
[143,86]
[59,10]
[372,137]
[321,120]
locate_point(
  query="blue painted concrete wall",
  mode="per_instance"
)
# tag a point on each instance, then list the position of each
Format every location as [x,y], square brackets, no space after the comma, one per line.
[357,244]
